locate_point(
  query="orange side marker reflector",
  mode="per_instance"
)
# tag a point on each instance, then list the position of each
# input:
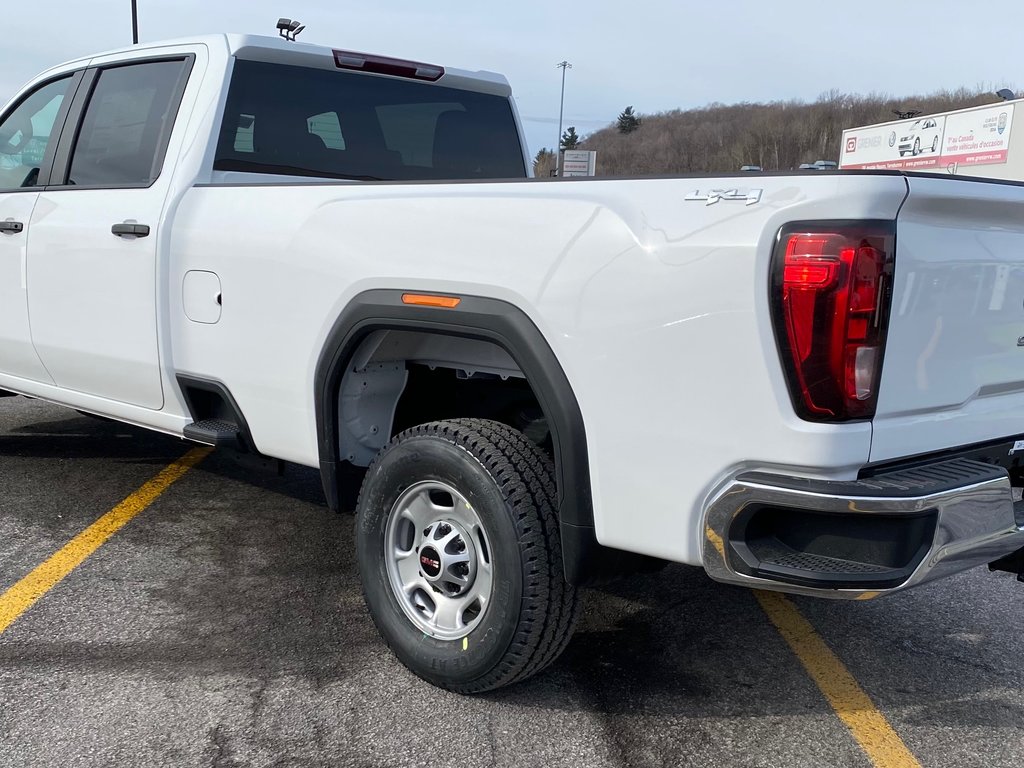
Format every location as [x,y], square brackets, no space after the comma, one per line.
[429,300]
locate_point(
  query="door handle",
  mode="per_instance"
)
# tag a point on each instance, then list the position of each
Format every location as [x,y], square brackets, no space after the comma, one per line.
[139,230]
[11,227]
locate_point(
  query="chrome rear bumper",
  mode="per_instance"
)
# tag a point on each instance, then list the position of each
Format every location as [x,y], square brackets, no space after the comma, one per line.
[960,513]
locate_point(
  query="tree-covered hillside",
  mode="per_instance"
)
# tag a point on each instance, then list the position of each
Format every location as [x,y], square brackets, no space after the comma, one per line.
[776,136]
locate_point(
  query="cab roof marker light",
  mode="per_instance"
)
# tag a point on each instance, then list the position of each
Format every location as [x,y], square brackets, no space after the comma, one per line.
[385,65]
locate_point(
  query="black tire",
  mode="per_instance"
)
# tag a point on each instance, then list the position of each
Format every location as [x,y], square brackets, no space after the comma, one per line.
[935,144]
[917,146]
[507,479]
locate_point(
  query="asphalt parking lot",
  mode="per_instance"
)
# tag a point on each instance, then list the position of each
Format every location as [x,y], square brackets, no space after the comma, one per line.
[224,626]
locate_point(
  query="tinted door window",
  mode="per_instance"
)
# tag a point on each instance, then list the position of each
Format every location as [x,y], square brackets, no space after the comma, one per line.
[25,135]
[126,125]
[313,122]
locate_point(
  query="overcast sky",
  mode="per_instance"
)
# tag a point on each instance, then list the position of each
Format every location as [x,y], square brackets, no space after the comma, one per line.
[653,55]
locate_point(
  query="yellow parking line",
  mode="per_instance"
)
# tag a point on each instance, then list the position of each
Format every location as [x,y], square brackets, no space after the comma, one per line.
[869,727]
[23,595]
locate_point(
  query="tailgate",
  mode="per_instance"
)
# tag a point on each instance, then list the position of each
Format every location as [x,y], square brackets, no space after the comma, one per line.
[953,371]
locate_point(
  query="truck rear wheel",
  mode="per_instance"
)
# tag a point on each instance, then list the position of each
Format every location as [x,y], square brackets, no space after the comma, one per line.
[459,555]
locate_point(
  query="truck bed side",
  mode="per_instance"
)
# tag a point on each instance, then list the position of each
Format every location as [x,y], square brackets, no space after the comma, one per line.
[656,307]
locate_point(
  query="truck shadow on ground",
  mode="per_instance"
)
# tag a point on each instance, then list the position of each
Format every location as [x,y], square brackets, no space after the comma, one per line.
[84,437]
[715,653]
[80,437]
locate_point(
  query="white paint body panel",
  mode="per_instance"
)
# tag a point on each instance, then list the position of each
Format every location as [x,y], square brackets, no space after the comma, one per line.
[953,372]
[656,307]
[16,350]
[93,295]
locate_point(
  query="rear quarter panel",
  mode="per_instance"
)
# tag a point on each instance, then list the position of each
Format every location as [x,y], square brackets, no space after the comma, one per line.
[656,307]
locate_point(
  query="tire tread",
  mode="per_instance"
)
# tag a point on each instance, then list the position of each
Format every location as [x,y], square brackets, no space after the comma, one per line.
[524,474]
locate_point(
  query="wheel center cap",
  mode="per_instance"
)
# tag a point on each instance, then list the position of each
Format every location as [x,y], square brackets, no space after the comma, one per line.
[430,562]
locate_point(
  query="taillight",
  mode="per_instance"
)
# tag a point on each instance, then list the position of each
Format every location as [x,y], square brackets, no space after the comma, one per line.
[831,284]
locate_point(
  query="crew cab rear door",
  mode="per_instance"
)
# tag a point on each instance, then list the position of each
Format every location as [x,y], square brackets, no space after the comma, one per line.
[953,369]
[95,230]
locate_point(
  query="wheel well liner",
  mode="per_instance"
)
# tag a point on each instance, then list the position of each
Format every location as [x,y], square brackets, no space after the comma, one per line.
[475,317]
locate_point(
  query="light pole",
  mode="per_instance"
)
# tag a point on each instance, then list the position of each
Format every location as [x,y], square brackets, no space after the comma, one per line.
[135,22]
[563,65]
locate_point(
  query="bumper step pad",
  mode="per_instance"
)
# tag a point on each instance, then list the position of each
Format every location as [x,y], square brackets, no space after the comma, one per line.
[916,481]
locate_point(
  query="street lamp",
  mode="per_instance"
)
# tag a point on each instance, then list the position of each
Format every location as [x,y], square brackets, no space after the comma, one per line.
[563,65]
[135,22]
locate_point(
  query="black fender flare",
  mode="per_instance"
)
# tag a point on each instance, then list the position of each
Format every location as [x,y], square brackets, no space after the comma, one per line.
[487,319]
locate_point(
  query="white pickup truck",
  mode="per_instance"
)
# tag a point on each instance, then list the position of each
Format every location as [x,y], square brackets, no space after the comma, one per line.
[811,383]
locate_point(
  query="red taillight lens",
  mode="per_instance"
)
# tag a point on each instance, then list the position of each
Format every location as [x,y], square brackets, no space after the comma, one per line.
[830,306]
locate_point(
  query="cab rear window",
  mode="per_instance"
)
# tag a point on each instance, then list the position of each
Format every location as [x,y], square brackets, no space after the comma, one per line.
[297,121]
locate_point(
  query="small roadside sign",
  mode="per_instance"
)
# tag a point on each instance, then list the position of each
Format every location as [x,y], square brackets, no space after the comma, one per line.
[579,162]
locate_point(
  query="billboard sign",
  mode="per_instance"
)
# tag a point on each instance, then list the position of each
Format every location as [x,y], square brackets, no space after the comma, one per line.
[979,137]
[933,142]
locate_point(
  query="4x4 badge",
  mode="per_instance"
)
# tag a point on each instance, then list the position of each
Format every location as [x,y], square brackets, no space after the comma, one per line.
[712,196]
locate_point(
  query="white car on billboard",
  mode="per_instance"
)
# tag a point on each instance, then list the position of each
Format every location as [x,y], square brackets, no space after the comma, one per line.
[923,136]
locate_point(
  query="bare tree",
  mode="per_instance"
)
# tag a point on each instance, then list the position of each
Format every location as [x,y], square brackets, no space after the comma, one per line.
[544,164]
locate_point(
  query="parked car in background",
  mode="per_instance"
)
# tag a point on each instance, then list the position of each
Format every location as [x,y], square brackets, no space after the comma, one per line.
[819,165]
[922,136]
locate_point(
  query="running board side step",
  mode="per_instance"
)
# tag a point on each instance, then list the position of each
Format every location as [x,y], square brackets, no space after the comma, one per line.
[218,421]
[215,432]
